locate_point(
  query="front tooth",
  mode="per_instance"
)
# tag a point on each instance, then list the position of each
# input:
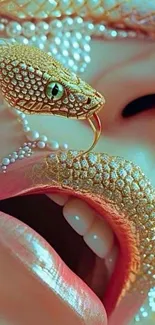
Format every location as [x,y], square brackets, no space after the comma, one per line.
[100,238]
[79,215]
[111,259]
[58,198]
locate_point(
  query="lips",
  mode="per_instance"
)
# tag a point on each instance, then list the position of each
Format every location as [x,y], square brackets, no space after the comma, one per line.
[123,197]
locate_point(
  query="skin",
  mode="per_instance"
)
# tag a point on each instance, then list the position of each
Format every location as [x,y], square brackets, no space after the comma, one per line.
[129,64]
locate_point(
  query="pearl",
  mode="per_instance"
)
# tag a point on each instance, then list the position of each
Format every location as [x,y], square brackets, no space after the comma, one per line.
[28,29]
[26,129]
[54,145]
[13,28]
[78,22]
[2,27]
[21,156]
[21,152]
[64,146]
[94,3]
[26,149]
[89,27]
[42,28]
[5,161]
[87,58]
[35,41]
[14,153]
[55,25]
[22,116]
[12,160]
[32,135]
[43,138]
[22,39]
[25,122]
[67,22]
[41,144]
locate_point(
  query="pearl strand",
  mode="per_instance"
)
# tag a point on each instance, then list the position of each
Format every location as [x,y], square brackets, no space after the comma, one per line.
[33,141]
[68,40]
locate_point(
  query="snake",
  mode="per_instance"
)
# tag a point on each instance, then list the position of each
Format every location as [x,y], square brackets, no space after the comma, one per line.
[34,82]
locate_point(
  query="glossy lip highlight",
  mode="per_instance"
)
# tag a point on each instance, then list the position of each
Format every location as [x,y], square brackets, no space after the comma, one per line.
[126,208]
[51,280]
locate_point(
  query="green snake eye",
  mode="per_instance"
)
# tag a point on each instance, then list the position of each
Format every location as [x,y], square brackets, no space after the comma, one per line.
[54,91]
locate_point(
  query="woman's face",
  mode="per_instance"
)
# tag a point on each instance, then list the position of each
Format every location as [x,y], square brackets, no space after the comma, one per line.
[122,71]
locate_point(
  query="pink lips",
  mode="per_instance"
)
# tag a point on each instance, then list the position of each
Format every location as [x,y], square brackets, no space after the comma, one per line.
[64,290]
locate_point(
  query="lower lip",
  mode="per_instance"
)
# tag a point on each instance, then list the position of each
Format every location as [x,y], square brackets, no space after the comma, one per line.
[67,292]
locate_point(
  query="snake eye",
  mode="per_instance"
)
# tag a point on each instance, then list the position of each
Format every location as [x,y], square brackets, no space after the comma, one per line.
[54,91]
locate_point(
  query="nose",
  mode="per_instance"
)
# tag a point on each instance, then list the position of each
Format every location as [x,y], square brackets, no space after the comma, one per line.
[88,100]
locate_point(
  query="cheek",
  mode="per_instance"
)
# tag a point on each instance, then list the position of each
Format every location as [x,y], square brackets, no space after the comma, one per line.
[124,73]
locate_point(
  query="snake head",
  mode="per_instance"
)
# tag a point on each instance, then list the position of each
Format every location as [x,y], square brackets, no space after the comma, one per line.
[34,82]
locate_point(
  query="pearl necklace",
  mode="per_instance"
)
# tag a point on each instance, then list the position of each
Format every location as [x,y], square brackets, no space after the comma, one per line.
[33,140]
[68,40]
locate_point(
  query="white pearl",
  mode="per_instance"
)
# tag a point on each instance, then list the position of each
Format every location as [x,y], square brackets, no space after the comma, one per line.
[21,156]
[78,22]
[28,29]
[21,152]
[41,144]
[5,161]
[32,135]
[22,116]
[43,138]
[67,22]
[55,25]
[24,122]
[94,3]
[13,28]
[12,160]
[42,28]
[64,146]
[54,145]
[14,154]
[26,129]
[26,149]
[2,27]
[22,39]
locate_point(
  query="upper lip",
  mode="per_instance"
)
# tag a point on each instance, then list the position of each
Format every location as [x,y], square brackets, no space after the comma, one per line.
[125,204]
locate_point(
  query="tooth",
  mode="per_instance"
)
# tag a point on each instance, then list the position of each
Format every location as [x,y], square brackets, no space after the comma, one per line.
[59,199]
[79,215]
[100,238]
[110,260]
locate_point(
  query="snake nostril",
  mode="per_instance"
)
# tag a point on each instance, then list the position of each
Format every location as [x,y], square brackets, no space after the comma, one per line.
[88,100]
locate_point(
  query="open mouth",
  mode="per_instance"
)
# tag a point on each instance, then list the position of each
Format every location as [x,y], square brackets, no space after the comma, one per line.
[95,252]
[84,242]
